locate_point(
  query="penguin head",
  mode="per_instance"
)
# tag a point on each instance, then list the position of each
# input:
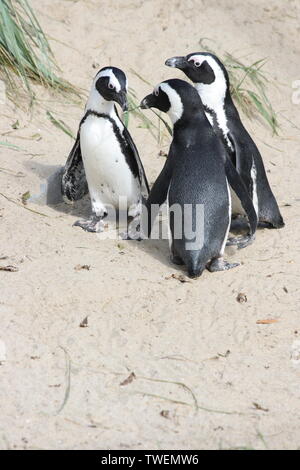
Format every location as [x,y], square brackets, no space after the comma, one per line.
[111,84]
[203,68]
[175,97]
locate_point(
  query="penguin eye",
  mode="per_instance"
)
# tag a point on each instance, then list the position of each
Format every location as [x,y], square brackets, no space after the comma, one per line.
[110,86]
[156,92]
[196,63]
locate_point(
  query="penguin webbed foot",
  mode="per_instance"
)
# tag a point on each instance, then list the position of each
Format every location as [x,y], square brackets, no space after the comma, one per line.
[219,264]
[95,224]
[241,242]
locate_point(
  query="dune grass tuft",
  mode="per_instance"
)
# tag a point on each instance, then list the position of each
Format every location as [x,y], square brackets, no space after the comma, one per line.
[249,85]
[25,53]
[248,88]
[26,58]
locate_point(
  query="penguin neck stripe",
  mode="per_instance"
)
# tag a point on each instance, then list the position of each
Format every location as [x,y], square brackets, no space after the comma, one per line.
[98,103]
[91,112]
[213,97]
[176,110]
[213,94]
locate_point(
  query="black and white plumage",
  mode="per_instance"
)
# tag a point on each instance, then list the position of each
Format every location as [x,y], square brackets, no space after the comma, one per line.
[211,80]
[104,160]
[197,173]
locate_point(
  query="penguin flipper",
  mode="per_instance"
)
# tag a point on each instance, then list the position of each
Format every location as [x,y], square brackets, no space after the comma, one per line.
[74,184]
[239,188]
[242,164]
[247,153]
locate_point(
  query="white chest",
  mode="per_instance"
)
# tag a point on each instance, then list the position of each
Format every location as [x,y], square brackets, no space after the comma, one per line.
[221,122]
[108,174]
[213,96]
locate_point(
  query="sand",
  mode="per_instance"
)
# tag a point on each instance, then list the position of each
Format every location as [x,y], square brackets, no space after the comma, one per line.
[206,374]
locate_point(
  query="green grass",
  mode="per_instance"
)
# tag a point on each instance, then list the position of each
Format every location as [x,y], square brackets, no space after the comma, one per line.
[152,125]
[10,146]
[60,124]
[135,111]
[249,87]
[25,53]
[26,58]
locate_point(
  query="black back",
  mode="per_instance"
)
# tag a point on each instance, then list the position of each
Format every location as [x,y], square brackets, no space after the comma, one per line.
[244,150]
[196,173]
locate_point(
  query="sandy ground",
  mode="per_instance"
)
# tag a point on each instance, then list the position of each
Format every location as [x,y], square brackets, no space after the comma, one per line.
[206,374]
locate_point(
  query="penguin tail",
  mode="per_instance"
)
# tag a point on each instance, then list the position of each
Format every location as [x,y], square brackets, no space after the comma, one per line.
[271,219]
[194,267]
[279,223]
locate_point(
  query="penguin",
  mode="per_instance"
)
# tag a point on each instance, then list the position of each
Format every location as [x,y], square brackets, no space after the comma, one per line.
[191,179]
[211,80]
[104,160]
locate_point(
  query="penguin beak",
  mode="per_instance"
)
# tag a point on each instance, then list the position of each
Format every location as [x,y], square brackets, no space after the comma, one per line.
[147,102]
[121,99]
[176,62]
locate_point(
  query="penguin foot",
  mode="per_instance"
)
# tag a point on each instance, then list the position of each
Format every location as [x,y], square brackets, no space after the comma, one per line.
[219,264]
[240,242]
[94,225]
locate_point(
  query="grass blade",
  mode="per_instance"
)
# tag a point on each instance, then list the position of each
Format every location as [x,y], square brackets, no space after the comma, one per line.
[248,87]
[60,125]
[11,146]
[164,121]
[25,53]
